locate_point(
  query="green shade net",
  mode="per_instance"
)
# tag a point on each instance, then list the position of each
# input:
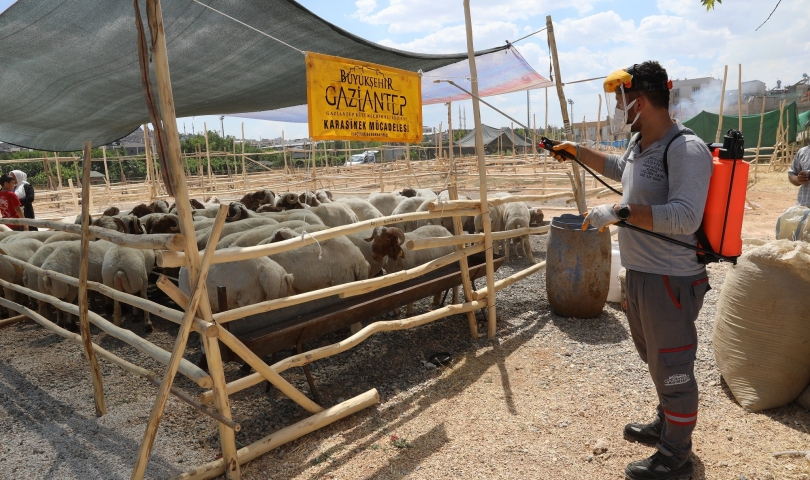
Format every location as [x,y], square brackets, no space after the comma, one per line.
[704,125]
[804,119]
[69,68]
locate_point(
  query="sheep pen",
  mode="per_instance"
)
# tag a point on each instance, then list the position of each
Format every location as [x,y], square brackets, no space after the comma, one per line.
[194,311]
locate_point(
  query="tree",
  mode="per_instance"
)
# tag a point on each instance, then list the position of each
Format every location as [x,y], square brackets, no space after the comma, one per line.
[709,4]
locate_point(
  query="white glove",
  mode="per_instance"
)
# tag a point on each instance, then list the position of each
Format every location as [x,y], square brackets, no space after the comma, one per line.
[601,217]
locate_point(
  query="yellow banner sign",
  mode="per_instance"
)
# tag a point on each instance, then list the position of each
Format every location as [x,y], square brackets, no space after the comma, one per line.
[353,100]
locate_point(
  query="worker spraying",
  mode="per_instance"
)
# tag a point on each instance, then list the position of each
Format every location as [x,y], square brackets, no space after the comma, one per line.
[665,174]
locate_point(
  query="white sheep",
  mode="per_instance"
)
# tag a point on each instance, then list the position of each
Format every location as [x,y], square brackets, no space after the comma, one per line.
[362,208]
[320,265]
[65,259]
[386,244]
[21,250]
[409,205]
[257,235]
[127,270]
[516,215]
[495,222]
[247,281]
[385,202]
[31,277]
[334,214]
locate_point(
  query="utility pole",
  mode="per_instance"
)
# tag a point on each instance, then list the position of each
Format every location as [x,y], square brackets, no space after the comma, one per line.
[222,125]
[571,103]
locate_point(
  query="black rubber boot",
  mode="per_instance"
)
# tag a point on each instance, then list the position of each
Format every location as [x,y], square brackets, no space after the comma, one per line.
[647,433]
[659,467]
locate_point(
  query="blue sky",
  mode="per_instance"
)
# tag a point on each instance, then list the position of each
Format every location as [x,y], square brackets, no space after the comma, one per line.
[594,37]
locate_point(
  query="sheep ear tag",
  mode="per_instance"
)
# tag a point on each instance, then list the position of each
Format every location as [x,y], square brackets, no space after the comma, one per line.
[402,254]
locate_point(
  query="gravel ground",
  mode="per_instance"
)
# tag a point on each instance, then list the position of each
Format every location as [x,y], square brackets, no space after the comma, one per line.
[546,399]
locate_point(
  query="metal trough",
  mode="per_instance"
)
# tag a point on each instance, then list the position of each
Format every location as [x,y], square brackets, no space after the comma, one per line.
[286,328]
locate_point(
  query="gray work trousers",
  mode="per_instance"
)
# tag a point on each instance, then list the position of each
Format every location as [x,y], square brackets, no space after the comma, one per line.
[662,311]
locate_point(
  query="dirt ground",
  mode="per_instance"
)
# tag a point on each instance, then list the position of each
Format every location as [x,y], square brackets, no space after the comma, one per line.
[546,399]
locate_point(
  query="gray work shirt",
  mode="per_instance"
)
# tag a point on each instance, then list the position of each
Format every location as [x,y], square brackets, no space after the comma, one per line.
[677,200]
[802,162]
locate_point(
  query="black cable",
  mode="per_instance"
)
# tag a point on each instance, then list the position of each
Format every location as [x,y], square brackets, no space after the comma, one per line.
[672,240]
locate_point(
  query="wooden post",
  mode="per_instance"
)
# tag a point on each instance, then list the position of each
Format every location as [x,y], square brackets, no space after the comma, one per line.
[84,267]
[284,152]
[198,270]
[599,125]
[778,138]
[246,183]
[450,136]
[482,175]
[545,153]
[121,167]
[208,158]
[582,205]
[722,99]
[514,146]
[739,96]
[75,198]
[150,176]
[58,169]
[759,139]
[314,165]
[465,267]
[106,174]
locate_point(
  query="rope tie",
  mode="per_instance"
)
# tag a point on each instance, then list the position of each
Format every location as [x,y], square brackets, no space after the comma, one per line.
[304,233]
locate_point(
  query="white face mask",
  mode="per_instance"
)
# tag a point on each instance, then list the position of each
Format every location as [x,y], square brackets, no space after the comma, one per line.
[621,125]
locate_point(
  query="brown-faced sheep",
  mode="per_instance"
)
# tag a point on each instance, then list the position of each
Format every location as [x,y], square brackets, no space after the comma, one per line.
[252,201]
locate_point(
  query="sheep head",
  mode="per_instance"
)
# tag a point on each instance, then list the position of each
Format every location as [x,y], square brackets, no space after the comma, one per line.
[236,211]
[258,198]
[283,234]
[111,212]
[308,198]
[386,241]
[168,223]
[325,196]
[159,206]
[141,210]
[269,208]
[196,205]
[535,217]
[408,192]
[289,201]
[110,223]
[132,224]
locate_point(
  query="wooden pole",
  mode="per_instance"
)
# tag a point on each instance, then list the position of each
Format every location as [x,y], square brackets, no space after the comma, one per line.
[482,175]
[121,167]
[599,125]
[246,182]
[722,100]
[208,157]
[465,268]
[150,176]
[73,194]
[84,267]
[546,133]
[58,169]
[759,139]
[284,152]
[739,96]
[198,271]
[450,135]
[582,205]
[106,171]
[514,146]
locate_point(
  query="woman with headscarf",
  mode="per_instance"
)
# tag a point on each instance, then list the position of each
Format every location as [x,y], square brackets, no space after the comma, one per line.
[25,192]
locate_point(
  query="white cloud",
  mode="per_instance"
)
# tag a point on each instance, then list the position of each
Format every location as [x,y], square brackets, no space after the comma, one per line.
[404,16]
[454,40]
[365,7]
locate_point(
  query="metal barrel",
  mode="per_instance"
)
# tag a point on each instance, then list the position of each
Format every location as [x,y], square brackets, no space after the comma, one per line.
[577,268]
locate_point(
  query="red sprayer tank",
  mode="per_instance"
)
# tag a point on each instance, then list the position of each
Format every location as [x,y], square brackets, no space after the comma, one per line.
[725,204]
